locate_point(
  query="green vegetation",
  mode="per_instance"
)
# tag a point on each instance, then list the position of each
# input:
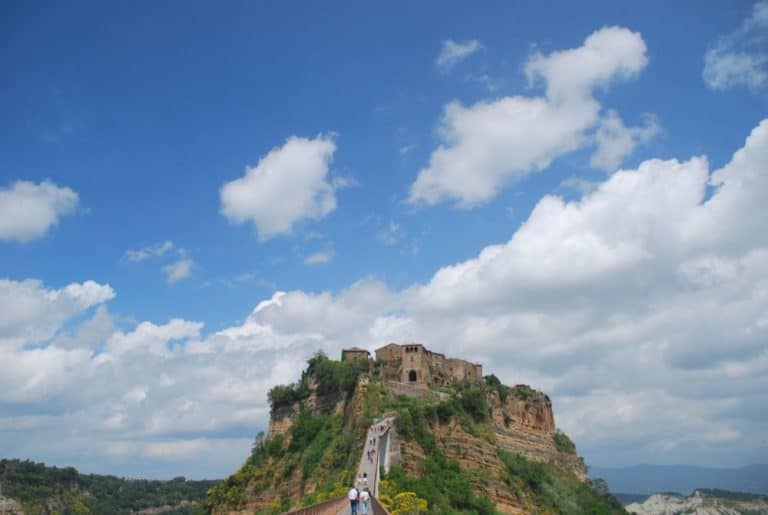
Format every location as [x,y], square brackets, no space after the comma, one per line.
[544,488]
[332,378]
[443,484]
[318,448]
[36,486]
[564,443]
[523,391]
[401,503]
[493,383]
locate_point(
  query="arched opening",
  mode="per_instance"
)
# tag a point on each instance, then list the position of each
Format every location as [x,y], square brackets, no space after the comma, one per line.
[412,375]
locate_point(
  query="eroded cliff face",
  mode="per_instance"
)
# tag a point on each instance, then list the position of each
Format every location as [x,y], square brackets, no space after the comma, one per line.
[281,420]
[520,425]
[526,426]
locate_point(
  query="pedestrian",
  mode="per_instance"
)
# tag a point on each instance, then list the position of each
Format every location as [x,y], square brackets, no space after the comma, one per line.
[352,496]
[365,502]
[365,480]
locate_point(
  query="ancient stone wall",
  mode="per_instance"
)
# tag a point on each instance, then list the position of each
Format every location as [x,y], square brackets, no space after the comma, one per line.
[414,391]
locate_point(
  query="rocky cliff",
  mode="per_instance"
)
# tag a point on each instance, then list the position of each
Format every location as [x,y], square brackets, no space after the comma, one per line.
[702,502]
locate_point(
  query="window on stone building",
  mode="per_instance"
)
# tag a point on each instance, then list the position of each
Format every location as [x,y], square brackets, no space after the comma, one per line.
[412,375]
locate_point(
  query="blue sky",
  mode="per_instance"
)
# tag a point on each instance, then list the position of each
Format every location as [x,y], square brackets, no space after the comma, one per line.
[210,193]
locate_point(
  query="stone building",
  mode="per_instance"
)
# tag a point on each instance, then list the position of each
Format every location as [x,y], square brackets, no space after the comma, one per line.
[415,364]
[354,354]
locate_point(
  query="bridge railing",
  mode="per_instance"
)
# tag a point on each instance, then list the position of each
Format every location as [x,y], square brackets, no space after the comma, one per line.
[378,508]
[329,507]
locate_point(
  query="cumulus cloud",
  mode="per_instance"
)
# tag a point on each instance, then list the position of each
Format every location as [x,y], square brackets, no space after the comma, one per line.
[287,185]
[740,58]
[318,258]
[615,141]
[31,313]
[156,250]
[28,210]
[491,143]
[179,270]
[640,308]
[453,52]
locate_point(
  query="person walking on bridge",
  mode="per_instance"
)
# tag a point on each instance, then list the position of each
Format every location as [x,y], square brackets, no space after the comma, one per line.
[353,500]
[365,502]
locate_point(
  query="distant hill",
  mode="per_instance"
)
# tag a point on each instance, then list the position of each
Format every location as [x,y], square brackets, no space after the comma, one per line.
[684,479]
[40,489]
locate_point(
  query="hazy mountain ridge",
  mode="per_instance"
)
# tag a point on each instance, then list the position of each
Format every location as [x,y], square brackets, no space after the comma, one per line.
[684,479]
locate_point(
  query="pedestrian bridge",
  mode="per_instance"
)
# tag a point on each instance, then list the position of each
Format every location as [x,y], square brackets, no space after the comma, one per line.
[371,463]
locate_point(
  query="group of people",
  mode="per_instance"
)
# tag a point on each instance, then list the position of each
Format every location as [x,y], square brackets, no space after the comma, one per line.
[360,497]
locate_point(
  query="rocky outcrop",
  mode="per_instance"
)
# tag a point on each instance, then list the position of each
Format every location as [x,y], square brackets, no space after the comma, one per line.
[520,422]
[10,506]
[281,419]
[523,423]
[700,503]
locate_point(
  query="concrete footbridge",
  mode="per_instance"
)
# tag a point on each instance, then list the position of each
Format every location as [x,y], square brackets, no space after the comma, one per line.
[375,460]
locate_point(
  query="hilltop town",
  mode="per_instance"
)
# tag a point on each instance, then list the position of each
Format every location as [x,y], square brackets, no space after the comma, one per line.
[416,365]
[427,427]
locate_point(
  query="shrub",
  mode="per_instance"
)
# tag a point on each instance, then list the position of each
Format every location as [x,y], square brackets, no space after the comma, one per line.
[524,391]
[445,411]
[332,376]
[473,401]
[564,443]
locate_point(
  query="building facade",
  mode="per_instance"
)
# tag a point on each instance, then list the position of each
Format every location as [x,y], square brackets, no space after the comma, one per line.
[413,363]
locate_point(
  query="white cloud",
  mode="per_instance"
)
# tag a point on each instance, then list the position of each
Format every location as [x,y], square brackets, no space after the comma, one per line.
[287,185]
[740,58]
[407,149]
[489,144]
[156,250]
[324,256]
[573,74]
[615,141]
[179,270]
[640,308]
[453,52]
[30,313]
[28,210]
[151,338]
